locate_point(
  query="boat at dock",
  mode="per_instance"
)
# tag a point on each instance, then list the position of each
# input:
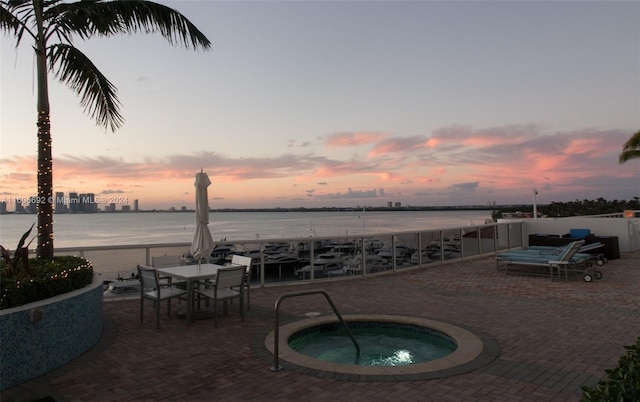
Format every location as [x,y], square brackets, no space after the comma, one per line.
[121,287]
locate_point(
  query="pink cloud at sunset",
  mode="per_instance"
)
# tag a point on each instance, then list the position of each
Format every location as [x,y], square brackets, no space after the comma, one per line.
[352,139]
[586,146]
[396,144]
[312,103]
[470,167]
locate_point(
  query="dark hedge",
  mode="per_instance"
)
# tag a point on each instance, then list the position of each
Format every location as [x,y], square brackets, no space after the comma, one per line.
[45,278]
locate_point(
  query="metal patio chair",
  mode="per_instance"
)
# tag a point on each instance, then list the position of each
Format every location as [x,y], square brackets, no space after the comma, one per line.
[152,289]
[227,279]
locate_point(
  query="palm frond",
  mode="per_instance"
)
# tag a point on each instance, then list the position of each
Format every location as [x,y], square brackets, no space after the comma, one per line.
[14,18]
[9,23]
[16,5]
[79,18]
[631,154]
[634,142]
[97,17]
[97,94]
[631,148]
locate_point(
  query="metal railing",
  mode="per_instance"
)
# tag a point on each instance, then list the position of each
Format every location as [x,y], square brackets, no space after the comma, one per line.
[276,338]
[426,247]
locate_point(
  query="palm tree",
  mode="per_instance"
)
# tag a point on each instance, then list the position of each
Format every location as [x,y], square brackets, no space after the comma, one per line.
[52,24]
[631,148]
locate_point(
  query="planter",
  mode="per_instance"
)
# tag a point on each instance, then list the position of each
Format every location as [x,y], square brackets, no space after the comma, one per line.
[40,337]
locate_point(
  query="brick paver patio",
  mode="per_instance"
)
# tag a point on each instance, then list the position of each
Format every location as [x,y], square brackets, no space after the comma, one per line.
[554,337]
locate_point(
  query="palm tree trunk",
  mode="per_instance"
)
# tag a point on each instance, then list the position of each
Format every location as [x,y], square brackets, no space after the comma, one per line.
[44,248]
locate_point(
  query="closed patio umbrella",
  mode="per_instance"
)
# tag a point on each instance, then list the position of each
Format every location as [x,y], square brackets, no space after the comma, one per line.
[202,243]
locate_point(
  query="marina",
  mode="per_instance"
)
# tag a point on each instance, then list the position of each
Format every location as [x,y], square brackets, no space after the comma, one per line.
[333,248]
[116,243]
[108,229]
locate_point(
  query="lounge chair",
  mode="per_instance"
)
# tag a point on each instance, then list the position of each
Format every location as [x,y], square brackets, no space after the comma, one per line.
[584,255]
[591,249]
[567,260]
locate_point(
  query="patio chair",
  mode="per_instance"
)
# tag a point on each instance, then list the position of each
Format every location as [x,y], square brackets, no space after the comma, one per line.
[152,289]
[165,261]
[227,279]
[245,262]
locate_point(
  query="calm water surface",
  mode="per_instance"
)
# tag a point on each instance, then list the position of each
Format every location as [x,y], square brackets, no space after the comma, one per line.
[106,229]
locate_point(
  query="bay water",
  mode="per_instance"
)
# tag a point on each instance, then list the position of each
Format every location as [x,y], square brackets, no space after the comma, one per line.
[109,229]
[169,228]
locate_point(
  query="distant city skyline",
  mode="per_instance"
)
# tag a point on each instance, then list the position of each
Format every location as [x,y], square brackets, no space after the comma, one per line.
[75,201]
[72,201]
[320,104]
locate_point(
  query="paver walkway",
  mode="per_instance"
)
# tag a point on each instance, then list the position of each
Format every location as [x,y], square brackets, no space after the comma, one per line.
[554,337]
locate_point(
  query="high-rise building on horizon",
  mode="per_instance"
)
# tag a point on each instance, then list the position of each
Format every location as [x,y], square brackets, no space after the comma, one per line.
[74,202]
[32,205]
[60,206]
[82,199]
[90,205]
[19,207]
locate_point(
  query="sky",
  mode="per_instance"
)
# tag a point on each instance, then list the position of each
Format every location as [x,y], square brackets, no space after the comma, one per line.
[347,103]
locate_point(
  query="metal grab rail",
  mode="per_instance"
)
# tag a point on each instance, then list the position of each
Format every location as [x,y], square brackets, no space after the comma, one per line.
[276,337]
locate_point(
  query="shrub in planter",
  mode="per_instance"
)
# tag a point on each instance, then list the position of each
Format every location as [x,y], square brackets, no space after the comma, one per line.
[24,280]
[18,265]
[620,384]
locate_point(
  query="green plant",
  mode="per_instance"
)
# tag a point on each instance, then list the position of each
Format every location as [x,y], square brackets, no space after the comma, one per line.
[621,383]
[24,280]
[47,278]
[19,264]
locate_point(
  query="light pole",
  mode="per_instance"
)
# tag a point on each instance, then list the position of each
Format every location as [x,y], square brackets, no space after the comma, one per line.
[535,206]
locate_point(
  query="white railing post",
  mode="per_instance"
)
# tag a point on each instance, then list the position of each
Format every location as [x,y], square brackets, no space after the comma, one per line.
[419,249]
[261,247]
